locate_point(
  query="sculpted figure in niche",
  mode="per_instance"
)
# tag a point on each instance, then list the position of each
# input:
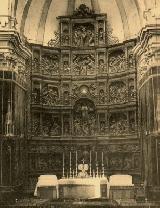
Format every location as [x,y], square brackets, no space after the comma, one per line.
[101,66]
[66,97]
[102,127]
[66,67]
[84,119]
[101,35]
[35,65]
[101,96]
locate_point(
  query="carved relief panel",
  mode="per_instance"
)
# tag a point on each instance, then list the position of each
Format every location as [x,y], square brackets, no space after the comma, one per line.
[36,125]
[50,64]
[118,92]
[51,125]
[118,123]
[83,34]
[50,95]
[83,64]
[117,61]
[84,118]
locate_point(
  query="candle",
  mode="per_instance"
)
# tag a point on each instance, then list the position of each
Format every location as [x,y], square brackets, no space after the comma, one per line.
[76,163]
[90,157]
[70,158]
[63,164]
[96,157]
[102,158]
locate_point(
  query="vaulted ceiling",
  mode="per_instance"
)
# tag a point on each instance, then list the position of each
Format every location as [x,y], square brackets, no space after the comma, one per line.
[37,18]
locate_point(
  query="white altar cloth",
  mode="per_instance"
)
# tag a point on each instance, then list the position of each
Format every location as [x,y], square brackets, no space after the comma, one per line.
[82,188]
[46,181]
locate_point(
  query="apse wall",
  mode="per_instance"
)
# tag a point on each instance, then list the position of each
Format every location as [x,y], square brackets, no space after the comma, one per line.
[36,19]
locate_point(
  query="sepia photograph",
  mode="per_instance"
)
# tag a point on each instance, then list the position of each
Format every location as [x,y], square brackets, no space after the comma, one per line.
[79,103]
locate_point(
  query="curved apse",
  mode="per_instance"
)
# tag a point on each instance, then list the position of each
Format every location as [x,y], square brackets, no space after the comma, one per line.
[37,18]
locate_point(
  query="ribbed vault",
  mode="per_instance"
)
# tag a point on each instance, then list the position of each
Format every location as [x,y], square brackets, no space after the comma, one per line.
[37,18]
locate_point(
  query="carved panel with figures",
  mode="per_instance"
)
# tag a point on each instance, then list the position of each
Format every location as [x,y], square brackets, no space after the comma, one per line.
[50,95]
[51,125]
[84,118]
[118,92]
[50,64]
[84,64]
[117,62]
[118,123]
[83,34]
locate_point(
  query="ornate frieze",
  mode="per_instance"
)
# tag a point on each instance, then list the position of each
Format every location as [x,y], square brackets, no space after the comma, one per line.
[117,92]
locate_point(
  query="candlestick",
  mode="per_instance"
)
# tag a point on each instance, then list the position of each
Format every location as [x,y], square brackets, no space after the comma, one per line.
[70,164]
[90,165]
[96,157]
[76,165]
[63,165]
